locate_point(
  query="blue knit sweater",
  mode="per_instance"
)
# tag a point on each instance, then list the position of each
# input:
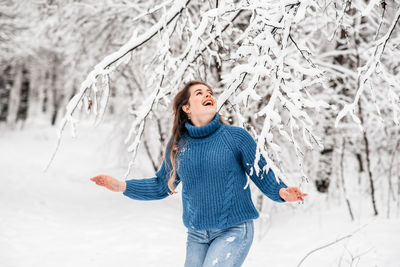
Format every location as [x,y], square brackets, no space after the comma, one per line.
[212,164]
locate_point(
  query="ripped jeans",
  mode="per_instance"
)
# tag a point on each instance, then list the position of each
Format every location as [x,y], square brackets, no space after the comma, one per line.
[219,247]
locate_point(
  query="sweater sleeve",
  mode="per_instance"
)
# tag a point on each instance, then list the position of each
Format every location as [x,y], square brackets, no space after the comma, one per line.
[152,188]
[247,152]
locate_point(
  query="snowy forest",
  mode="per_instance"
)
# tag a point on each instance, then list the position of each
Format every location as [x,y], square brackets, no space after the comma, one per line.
[86,87]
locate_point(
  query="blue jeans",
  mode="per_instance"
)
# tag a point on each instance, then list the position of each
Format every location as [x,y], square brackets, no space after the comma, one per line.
[219,247]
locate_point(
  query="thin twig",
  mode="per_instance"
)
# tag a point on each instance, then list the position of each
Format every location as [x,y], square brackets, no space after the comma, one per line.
[330,244]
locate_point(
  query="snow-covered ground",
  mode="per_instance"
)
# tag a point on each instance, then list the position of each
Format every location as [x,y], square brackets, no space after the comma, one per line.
[61,218]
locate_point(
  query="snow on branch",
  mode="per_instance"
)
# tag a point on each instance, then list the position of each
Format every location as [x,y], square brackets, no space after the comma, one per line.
[110,63]
[265,52]
[367,71]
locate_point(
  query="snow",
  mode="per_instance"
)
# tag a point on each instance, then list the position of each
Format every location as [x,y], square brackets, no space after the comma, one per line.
[230,239]
[61,218]
[215,261]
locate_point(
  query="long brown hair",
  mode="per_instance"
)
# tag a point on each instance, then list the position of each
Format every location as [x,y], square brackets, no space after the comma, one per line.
[178,128]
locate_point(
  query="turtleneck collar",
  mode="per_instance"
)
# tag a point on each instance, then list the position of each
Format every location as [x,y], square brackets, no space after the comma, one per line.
[203,131]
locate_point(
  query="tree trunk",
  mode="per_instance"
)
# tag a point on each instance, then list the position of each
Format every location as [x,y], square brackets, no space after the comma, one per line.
[15,95]
[343,182]
[360,167]
[36,94]
[325,161]
[367,156]
[6,83]
[24,93]
[54,88]
[260,199]
[52,99]
[149,154]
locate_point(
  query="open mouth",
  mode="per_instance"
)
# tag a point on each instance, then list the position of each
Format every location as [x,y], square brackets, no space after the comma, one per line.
[208,102]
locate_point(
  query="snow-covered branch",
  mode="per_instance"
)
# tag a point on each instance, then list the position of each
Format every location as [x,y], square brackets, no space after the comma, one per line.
[367,71]
[111,62]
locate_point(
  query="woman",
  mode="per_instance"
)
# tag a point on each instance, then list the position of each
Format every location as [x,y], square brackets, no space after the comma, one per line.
[211,159]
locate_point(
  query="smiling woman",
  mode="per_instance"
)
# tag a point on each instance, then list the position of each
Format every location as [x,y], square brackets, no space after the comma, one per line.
[202,105]
[211,159]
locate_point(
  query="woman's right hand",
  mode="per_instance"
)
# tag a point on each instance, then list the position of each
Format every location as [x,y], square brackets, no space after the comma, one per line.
[109,182]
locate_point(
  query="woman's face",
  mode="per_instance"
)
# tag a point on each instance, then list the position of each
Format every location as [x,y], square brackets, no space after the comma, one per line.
[202,102]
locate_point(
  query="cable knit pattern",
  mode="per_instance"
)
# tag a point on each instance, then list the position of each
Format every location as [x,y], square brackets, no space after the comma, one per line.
[212,166]
[227,203]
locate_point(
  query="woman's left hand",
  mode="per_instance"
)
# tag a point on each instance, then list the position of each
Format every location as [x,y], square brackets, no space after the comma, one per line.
[291,194]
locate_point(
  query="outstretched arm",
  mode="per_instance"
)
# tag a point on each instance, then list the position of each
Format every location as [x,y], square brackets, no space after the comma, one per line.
[291,194]
[266,182]
[142,189]
[109,182]
[151,188]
